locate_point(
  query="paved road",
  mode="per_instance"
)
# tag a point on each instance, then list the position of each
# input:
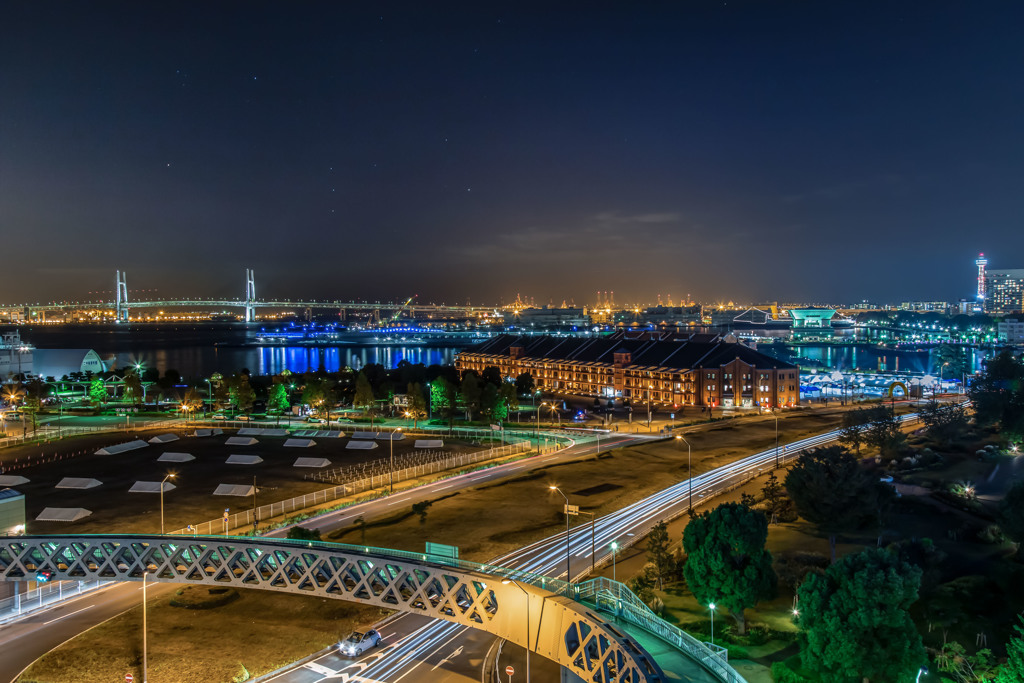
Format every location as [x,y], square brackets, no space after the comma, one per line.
[34,636]
[25,640]
[549,557]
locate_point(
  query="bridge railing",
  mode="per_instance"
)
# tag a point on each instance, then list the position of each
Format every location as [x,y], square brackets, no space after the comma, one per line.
[611,596]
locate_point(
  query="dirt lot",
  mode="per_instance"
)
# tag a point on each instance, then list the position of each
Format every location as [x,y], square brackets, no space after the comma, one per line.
[191,502]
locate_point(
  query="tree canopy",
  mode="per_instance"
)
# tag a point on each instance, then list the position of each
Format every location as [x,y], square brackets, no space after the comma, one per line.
[831,490]
[1011,515]
[727,562]
[854,620]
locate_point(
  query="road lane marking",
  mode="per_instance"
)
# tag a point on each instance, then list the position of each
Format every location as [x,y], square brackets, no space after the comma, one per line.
[68,615]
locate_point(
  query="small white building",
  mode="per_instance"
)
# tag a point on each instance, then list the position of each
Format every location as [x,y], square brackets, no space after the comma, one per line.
[1011,331]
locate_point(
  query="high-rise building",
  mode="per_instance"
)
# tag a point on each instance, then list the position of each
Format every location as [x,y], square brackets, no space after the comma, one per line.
[1004,290]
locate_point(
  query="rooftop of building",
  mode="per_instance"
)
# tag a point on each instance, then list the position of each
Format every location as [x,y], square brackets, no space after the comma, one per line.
[655,351]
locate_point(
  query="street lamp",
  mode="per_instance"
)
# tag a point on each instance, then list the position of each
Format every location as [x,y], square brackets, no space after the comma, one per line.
[145,661]
[922,670]
[689,467]
[391,474]
[776,416]
[527,596]
[536,425]
[615,550]
[712,607]
[568,571]
[169,476]
[941,368]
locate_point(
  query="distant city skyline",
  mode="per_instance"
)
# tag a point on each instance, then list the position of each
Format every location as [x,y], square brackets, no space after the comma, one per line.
[742,151]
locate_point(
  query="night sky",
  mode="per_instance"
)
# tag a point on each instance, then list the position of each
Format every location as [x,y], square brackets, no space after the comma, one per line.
[791,151]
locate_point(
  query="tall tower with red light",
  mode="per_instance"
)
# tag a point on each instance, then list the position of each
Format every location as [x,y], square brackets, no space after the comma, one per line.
[981,262]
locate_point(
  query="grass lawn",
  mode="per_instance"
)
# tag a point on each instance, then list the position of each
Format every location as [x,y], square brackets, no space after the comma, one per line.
[257,632]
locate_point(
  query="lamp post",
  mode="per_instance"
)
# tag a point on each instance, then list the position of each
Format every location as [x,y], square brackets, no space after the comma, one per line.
[527,596]
[391,473]
[941,368]
[145,661]
[712,607]
[209,396]
[650,388]
[536,425]
[615,551]
[169,476]
[568,571]
[776,415]
[922,670]
[689,468]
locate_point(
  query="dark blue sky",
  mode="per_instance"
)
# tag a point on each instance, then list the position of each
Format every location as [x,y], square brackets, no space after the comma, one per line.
[745,150]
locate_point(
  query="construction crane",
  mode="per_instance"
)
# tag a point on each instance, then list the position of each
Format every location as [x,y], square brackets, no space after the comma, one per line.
[402,307]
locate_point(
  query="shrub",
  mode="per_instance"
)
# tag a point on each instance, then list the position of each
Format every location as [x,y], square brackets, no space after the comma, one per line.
[195,597]
[781,673]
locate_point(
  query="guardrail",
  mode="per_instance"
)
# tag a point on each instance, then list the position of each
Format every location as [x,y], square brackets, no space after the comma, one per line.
[44,595]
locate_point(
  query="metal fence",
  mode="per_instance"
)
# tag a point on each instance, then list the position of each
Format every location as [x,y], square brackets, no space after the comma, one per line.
[246,519]
[44,595]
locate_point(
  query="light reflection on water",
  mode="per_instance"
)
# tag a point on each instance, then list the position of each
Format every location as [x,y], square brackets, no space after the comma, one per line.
[273,359]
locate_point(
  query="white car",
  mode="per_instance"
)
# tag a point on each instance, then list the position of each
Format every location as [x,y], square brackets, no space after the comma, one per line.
[358,643]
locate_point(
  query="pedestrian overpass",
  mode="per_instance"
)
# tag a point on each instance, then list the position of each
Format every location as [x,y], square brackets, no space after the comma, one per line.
[544,615]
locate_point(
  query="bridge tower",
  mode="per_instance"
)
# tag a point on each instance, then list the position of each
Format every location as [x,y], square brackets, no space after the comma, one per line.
[121,298]
[250,295]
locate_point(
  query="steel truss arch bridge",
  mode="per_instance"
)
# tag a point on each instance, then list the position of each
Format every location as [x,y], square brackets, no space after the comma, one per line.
[500,601]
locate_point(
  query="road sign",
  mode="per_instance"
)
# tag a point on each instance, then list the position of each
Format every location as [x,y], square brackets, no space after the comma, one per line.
[128,678]
[510,670]
[572,509]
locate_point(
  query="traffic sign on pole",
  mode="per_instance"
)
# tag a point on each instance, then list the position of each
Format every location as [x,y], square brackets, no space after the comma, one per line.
[510,670]
[128,678]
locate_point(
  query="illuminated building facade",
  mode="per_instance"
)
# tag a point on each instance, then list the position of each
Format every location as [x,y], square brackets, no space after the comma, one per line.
[1004,290]
[676,370]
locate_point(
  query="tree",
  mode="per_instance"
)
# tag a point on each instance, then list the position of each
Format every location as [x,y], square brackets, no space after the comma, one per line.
[97,391]
[1013,670]
[470,393]
[192,401]
[364,397]
[491,405]
[509,396]
[658,553]
[832,491]
[854,620]
[302,534]
[852,435]
[417,405]
[727,562]
[277,397]
[1011,515]
[491,375]
[953,359]
[884,431]
[443,397]
[133,389]
[964,668]
[773,496]
[524,384]
[944,421]
[420,509]
[240,392]
[997,396]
